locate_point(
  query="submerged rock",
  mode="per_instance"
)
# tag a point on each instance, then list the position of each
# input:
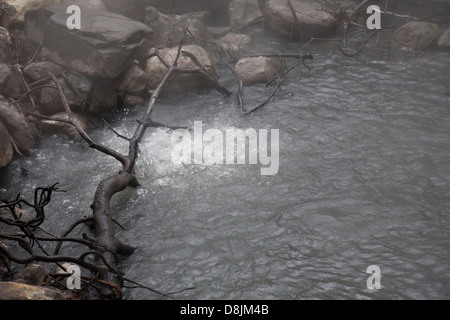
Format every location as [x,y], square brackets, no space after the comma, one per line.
[312,16]
[258,69]
[104,47]
[415,35]
[156,70]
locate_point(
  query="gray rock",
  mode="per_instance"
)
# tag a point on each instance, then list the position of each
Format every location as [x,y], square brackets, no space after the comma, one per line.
[243,12]
[21,7]
[133,81]
[6,149]
[235,43]
[5,72]
[444,39]
[180,82]
[39,70]
[104,47]
[171,28]
[415,35]
[314,19]
[33,274]
[257,69]
[18,128]
[55,126]
[5,42]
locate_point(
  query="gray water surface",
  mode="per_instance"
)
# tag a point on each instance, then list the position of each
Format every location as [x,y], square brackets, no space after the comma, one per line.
[364,179]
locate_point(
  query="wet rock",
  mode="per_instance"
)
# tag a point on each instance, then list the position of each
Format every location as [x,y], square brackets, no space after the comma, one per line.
[243,12]
[104,47]
[20,291]
[21,7]
[39,70]
[133,101]
[55,126]
[18,128]
[312,16]
[172,27]
[98,94]
[23,215]
[257,69]
[133,81]
[155,69]
[235,43]
[415,35]
[6,149]
[444,39]
[33,274]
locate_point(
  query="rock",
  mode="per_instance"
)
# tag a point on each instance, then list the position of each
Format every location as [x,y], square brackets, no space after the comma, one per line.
[258,69]
[99,94]
[135,9]
[5,72]
[54,126]
[313,18]
[217,32]
[90,4]
[242,12]
[6,149]
[21,7]
[104,47]
[180,82]
[39,70]
[172,27]
[132,101]
[444,39]
[415,35]
[133,81]
[20,291]
[22,214]
[235,43]
[18,128]
[33,274]
[5,42]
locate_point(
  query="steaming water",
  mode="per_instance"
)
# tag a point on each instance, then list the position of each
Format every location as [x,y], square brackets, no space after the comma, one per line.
[364,179]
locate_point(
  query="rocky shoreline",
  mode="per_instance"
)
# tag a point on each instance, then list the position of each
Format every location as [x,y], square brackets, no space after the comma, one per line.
[110,62]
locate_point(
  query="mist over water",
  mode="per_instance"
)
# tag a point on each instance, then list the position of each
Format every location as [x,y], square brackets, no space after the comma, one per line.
[364,179]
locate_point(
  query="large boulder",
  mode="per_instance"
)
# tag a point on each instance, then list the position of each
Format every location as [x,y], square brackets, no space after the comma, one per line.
[313,17]
[20,7]
[171,27]
[104,47]
[415,35]
[257,69]
[6,149]
[242,12]
[18,128]
[156,70]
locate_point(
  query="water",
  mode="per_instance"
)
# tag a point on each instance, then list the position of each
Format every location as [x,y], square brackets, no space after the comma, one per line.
[364,179]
